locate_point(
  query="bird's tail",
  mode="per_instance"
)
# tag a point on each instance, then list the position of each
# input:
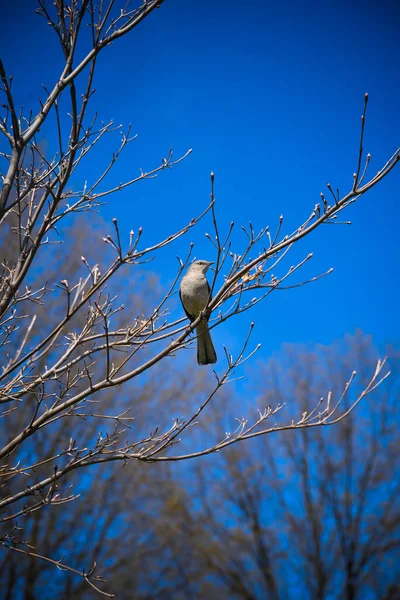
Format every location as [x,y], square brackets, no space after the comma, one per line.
[205,350]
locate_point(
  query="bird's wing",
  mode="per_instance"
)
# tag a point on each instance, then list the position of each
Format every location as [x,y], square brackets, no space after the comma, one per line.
[189,316]
[209,295]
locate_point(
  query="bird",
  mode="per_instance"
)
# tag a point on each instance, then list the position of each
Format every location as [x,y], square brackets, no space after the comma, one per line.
[195,293]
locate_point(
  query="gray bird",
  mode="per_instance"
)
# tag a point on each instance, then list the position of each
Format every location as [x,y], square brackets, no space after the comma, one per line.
[195,293]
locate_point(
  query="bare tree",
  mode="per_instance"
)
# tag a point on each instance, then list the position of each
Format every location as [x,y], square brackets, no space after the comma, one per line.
[58,361]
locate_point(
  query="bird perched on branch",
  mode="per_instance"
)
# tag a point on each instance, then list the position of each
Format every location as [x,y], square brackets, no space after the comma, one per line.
[195,294]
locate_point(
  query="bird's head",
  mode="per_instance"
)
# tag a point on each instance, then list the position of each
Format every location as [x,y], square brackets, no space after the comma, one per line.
[200,266]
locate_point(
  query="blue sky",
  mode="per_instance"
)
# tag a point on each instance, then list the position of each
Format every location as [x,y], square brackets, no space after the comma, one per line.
[269,96]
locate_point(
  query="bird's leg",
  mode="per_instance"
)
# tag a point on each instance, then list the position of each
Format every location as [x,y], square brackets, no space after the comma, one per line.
[205,313]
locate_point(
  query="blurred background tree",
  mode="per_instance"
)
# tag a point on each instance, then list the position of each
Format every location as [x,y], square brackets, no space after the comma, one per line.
[312,515]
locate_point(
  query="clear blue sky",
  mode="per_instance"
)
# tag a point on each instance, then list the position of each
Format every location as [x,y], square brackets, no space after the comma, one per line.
[269,96]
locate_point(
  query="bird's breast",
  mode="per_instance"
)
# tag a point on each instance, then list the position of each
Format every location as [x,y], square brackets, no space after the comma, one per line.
[194,294]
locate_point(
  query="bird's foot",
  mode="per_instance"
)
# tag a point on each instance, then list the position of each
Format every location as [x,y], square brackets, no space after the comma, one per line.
[205,313]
